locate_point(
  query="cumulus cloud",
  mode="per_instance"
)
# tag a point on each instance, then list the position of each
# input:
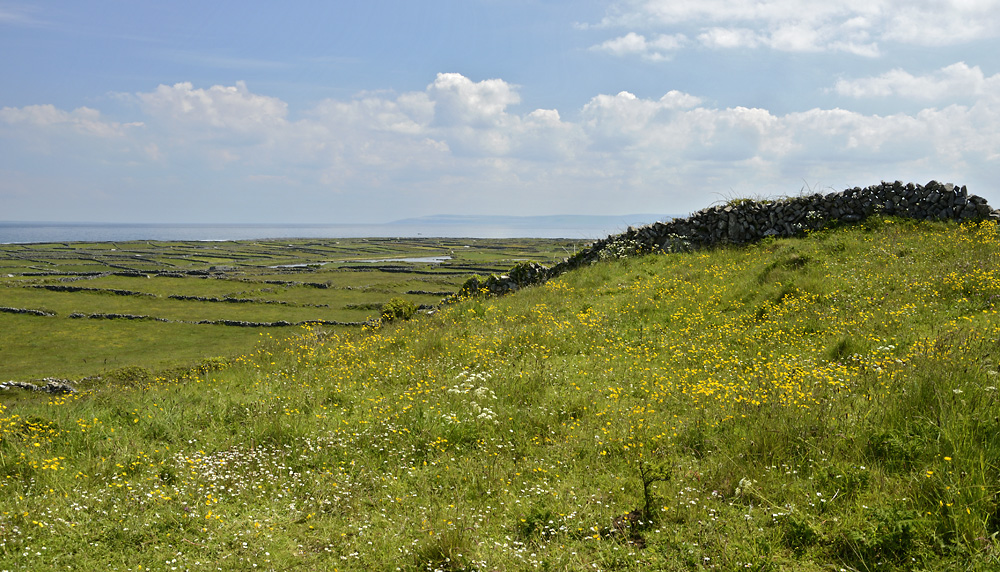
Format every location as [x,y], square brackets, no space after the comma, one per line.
[461,101]
[622,121]
[460,138]
[853,26]
[409,113]
[658,48]
[690,141]
[232,108]
[83,120]
[957,81]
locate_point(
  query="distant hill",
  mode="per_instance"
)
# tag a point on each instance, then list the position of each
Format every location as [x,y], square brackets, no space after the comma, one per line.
[574,225]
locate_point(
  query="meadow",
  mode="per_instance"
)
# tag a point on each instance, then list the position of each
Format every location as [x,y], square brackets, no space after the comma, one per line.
[818,403]
[178,303]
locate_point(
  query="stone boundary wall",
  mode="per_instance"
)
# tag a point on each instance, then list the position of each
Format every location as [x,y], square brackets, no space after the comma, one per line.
[237,323]
[226,300]
[745,221]
[63,288]
[8,310]
[53,386]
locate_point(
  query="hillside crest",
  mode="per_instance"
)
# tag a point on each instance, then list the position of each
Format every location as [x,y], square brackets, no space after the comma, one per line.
[742,221]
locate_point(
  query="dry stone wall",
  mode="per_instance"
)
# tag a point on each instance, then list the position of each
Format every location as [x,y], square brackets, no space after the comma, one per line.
[745,221]
[9,310]
[748,221]
[52,385]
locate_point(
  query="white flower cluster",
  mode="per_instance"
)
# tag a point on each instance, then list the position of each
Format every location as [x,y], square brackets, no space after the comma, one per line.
[474,384]
[743,487]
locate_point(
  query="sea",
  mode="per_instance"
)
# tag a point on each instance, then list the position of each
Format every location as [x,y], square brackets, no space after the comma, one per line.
[440,226]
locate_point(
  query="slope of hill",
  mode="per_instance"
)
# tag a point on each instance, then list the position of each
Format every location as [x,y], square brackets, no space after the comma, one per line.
[818,403]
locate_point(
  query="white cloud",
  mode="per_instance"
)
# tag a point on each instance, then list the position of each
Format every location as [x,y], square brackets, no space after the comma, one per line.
[460,144]
[624,120]
[232,108]
[851,26]
[82,120]
[728,38]
[659,48]
[955,82]
[460,101]
[409,113]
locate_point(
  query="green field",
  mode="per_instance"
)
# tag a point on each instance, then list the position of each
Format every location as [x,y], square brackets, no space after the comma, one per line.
[815,404]
[295,281]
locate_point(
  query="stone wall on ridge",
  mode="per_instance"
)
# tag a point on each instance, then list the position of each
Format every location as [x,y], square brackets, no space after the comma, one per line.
[745,221]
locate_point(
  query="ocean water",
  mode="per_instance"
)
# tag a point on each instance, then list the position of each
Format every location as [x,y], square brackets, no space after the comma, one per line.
[575,227]
[24,232]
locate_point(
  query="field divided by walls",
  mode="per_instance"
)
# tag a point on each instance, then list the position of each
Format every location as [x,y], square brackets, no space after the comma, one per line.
[71,310]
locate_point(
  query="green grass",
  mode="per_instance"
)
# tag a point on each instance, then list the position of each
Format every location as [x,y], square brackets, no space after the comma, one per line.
[825,403]
[60,346]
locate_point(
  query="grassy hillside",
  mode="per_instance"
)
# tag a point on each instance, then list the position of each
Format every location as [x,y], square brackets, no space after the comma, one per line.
[825,403]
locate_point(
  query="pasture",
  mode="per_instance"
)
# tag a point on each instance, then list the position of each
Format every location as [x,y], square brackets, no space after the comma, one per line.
[99,307]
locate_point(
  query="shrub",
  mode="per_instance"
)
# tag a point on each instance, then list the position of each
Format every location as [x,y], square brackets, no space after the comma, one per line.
[397,308]
[475,285]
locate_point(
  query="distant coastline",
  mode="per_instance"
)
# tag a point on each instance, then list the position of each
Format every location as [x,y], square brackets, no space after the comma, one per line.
[447,226]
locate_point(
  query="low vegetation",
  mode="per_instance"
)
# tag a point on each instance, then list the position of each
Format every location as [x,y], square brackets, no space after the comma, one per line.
[823,403]
[72,310]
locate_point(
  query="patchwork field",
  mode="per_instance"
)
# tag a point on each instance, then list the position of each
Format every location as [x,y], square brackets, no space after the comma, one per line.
[71,310]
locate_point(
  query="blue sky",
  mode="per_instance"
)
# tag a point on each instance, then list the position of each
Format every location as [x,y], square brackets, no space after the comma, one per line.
[337,112]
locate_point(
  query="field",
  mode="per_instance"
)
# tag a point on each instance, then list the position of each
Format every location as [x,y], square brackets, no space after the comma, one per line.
[820,403]
[102,307]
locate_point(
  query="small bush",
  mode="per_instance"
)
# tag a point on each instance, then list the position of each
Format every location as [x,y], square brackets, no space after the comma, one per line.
[398,309]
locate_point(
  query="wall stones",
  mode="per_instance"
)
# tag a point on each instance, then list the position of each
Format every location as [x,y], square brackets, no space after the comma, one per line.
[745,221]
[28,311]
[52,386]
[63,288]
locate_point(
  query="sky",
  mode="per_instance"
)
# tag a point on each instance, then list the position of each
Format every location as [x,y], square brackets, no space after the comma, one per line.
[366,112]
